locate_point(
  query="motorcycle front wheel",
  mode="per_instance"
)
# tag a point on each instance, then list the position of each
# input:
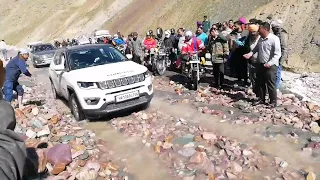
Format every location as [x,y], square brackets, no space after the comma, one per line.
[161,66]
[194,79]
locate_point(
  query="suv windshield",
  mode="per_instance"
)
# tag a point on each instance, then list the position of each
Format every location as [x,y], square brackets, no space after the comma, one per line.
[44,47]
[94,56]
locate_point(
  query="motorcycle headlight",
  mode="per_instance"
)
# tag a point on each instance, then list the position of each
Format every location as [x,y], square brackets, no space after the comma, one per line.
[146,74]
[87,85]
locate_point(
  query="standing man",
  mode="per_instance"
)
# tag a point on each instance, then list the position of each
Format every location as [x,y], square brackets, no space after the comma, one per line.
[137,48]
[14,68]
[3,47]
[219,50]
[269,53]
[277,28]
[206,24]
[202,36]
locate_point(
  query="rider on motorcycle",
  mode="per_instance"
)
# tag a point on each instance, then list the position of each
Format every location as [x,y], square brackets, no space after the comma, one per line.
[149,42]
[191,45]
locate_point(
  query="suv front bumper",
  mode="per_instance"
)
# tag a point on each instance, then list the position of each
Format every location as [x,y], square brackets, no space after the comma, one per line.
[110,107]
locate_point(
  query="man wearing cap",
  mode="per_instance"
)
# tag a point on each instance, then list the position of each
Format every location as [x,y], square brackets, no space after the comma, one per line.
[14,68]
[277,28]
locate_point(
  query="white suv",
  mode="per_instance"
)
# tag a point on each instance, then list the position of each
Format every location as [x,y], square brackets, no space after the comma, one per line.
[97,79]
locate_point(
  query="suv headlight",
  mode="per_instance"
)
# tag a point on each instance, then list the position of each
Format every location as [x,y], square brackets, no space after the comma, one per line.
[86,85]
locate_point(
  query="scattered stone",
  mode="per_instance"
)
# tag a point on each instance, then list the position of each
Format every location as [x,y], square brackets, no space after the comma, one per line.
[187,152]
[315,139]
[209,136]
[35,111]
[311,176]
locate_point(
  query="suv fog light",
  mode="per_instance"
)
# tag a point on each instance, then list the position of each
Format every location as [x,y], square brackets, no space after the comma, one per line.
[92,101]
[150,87]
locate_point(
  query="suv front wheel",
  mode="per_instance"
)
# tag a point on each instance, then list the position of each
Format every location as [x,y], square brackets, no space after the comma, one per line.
[75,107]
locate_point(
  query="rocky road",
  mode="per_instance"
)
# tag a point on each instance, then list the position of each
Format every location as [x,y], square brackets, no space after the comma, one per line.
[207,134]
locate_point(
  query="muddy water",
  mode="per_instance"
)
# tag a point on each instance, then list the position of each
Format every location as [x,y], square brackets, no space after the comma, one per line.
[140,160]
[281,147]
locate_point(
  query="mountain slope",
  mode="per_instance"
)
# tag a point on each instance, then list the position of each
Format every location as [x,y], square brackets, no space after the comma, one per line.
[24,21]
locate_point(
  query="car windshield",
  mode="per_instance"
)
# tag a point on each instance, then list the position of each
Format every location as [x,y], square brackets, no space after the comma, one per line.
[94,56]
[44,47]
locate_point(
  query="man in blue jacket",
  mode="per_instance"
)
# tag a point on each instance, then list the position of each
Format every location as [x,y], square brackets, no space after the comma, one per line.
[14,68]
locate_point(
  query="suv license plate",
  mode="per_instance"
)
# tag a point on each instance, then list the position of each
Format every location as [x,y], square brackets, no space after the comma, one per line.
[127,96]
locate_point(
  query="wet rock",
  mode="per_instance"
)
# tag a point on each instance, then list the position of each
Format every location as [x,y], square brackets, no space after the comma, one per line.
[198,158]
[44,132]
[167,145]
[31,134]
[84,174]
[209,136]
[247,153]
[35,111]
[311,176]
[315,139]
[231,175]
[60,153]
[315,127]
[236,167]
[42,160]
[184,140]
[284,164]
[35,123]
[187,152]
[58,168]
[93,165]
[67,138]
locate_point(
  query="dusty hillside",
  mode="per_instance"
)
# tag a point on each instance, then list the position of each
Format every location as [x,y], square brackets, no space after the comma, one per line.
[32,20]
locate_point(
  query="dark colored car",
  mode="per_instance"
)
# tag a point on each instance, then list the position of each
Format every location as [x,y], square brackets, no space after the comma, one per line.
[42,54]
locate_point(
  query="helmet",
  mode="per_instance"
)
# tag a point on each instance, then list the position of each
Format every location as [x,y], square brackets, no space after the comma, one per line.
[172,31]
[116,36]
[150,32]
[159,32]
[167,33]
[188,34]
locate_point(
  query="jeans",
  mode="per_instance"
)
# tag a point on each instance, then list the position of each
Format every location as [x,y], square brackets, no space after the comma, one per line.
[8,89]
[278,81]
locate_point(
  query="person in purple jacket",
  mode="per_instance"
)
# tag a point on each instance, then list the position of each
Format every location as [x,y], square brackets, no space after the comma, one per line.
[14,68]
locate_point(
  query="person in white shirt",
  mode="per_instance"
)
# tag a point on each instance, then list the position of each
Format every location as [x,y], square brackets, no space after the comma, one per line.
[3,48]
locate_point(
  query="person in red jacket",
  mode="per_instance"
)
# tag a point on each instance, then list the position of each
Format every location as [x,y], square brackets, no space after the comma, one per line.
[192,44]
[149,42]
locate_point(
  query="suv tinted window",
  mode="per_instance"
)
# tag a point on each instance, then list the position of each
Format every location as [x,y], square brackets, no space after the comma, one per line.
[43,47]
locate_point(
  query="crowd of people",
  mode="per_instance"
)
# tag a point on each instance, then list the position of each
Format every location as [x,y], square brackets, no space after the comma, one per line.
[253,51]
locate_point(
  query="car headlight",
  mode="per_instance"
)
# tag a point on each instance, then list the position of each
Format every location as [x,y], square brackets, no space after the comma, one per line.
[146,74]
[86,85]
[36,57]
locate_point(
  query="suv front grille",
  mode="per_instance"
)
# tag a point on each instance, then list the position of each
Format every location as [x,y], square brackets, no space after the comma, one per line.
[121,81]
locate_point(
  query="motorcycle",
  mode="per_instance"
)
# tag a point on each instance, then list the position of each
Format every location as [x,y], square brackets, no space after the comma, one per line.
[162,61]
[194,69]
